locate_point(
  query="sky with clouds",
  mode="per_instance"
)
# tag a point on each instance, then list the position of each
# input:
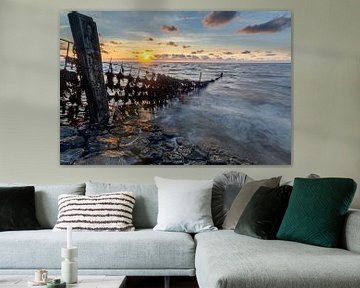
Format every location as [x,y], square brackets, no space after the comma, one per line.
[190,36]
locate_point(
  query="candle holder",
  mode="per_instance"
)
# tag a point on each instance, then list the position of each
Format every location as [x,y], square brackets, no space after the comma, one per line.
[69,271]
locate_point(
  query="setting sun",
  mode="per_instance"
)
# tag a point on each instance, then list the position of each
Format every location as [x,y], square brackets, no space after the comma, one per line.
[145,57]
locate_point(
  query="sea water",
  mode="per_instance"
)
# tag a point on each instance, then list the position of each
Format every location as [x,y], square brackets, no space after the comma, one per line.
[247,112]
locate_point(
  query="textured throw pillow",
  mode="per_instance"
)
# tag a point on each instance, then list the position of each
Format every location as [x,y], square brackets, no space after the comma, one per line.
[146,205]
[106,212]
[263,215]
[184,205]
[243,198]
[316,211]
[226,186]
[17,209]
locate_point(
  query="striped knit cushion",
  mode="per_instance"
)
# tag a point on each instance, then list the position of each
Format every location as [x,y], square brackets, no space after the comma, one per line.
[105,212]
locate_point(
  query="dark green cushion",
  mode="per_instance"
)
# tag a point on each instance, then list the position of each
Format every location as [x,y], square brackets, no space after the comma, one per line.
[316,211]
[263,214]
[17,208]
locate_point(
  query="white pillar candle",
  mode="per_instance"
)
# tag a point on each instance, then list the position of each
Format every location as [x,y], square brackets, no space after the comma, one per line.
[69,237]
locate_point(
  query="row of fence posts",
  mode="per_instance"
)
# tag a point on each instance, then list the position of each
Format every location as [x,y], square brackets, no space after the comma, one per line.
[88,59]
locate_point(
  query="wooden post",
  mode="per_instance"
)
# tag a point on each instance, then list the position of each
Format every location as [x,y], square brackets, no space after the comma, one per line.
[67,55]
[86,43]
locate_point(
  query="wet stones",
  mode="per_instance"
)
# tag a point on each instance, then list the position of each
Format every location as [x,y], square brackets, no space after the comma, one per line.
[67,132]
[71,143]
[217,159]
[105,142]
[129,144]
[196,154]
[172,159]
[152,155]
[181,141]
[184,150]
[70,156]
[110,157]
[156,137]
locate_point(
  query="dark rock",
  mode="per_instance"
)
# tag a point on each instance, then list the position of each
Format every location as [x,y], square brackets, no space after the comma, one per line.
[71,143]
[66,131]
[156,129]
[156,137]
[139,145]
[197,154]
[83,127]
[106,142]
[110,157]
[64,146]
[195,162]
[168,145]
[235,160]
[184,150]
[70,156]
[172,159]
[129,140]
[218,159]
[183,141]
[152,154]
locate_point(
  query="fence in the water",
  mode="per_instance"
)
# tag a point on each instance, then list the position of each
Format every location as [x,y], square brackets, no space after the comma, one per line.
[127,88]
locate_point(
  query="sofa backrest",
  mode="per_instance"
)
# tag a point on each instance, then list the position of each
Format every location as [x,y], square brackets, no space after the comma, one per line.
[146,203]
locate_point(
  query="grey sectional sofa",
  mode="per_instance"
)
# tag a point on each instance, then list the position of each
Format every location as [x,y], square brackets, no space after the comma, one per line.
[219,259]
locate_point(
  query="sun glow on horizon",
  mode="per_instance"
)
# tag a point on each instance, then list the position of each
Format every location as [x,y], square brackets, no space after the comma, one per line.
[145,57]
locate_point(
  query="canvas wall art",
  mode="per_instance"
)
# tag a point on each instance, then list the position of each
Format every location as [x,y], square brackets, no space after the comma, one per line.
[175,88]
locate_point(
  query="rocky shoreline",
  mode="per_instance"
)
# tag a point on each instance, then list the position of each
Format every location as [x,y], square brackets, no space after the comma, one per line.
[137,143]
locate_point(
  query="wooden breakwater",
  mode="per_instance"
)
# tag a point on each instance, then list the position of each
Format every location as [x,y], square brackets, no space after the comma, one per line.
[87,93]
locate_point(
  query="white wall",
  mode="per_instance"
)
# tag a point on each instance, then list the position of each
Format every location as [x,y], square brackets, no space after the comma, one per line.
[326,91]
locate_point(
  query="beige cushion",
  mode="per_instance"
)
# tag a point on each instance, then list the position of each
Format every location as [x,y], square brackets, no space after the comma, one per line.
[243,198]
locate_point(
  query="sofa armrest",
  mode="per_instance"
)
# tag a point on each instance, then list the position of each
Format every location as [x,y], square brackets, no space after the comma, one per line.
[351,234]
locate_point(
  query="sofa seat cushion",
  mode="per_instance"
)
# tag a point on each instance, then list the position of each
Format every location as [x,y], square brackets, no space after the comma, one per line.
[225,259]
[142,249]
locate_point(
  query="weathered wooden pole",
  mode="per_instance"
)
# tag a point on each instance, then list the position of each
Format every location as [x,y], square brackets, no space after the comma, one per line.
[86,43]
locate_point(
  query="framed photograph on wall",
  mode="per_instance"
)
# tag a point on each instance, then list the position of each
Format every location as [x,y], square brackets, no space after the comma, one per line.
[175,88]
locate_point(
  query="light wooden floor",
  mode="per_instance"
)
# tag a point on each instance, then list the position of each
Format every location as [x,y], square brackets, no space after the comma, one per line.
[158,282]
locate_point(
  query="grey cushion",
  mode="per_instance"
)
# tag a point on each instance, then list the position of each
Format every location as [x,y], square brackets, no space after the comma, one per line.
[144,249]
[226,187]
[351,231]
[225,259]
[243,198]
[184,205]
[146,204]
[46,200]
